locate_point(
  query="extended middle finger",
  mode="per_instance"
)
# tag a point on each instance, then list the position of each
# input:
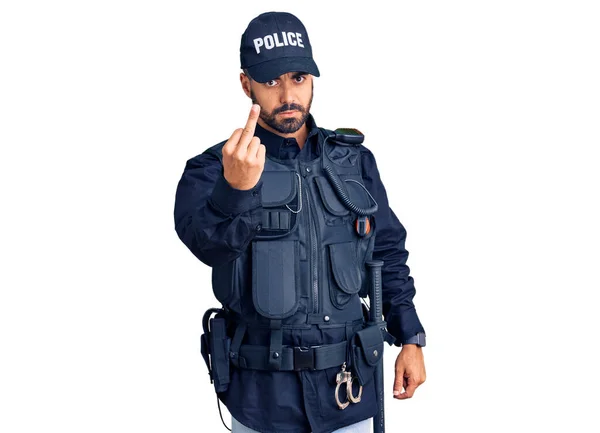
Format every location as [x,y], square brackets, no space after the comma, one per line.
[248,131]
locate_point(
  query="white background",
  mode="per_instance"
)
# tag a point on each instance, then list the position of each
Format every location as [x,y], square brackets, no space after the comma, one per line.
[483,116]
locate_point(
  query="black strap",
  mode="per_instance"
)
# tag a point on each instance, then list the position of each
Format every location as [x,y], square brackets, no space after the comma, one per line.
[349,330]
[295,358]
[275,350]
[236,343]
[349,337]
[388,338]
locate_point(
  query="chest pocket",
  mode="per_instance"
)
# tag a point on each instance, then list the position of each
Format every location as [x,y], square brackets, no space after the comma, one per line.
[281,203]
[331,202]
[336,212]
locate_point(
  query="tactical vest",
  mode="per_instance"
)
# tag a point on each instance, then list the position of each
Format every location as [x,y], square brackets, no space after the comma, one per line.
[306,265]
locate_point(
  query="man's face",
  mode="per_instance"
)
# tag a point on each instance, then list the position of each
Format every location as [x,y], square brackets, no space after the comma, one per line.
[285,101]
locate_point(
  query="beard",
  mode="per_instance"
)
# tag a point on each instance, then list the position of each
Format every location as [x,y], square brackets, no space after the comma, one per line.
[289,125]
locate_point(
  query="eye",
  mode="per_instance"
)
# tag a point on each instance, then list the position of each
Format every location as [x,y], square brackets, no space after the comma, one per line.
[271,83]
[300,78]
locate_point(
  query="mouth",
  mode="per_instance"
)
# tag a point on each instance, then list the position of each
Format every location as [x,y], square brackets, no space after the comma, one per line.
[288,113]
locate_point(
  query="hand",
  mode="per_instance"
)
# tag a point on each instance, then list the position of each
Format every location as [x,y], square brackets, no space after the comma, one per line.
[410,371]
[244,155]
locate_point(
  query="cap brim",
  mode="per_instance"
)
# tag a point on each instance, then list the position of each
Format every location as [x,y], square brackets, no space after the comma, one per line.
[272,69]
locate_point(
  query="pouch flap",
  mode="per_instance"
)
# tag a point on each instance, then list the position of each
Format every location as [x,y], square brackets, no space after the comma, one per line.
[275,278]
[356,192]
[279,188]
[370,340]
[344,266]
[330,200]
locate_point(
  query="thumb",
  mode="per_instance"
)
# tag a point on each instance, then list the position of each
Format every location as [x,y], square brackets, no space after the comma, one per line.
[398,381]
[409,389]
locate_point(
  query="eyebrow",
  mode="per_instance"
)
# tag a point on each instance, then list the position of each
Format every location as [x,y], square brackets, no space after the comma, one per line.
[295,75]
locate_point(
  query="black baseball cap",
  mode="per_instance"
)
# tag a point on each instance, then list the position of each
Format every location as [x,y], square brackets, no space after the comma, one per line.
[275,43]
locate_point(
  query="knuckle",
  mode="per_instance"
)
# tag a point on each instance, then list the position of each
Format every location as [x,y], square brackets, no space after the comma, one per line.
[235,136]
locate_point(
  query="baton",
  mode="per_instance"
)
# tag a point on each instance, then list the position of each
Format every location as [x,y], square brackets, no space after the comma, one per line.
[376,318]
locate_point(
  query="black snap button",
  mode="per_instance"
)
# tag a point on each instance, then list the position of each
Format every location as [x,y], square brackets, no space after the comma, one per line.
[326,318]
[258,228]
[275,355]
[254,193]
[308,169]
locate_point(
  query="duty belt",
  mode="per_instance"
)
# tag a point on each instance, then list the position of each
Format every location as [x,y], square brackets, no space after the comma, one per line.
[293,358]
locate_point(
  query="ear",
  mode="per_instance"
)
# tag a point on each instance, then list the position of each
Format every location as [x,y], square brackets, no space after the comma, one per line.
[245,84]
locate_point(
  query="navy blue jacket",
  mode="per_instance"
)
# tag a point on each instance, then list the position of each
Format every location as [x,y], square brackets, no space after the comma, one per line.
[217,222]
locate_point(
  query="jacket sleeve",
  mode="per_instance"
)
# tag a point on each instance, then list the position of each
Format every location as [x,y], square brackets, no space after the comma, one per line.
[214,220]
[398,288]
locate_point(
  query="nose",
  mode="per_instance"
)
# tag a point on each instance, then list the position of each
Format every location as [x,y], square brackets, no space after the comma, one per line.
[287,93]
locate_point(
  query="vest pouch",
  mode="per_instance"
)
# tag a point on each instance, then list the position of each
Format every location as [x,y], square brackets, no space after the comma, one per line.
[275,277]
[347,279]
[367,353]
[227,279]
[336,211]
[357,191]
[281,204]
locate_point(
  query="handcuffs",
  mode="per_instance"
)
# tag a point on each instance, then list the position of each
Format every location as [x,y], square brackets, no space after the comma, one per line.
[346,377]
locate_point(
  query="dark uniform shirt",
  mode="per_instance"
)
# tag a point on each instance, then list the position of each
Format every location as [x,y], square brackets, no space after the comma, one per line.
[217,222]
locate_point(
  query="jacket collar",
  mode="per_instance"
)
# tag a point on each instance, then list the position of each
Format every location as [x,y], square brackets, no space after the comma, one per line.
[287,148]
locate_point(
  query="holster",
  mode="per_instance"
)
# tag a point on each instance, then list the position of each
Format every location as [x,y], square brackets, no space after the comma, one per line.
[214,346]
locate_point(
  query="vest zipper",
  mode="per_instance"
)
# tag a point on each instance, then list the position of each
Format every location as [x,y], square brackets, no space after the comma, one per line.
[314,251]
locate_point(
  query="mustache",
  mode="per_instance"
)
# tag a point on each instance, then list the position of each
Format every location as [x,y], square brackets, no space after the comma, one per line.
[288,107]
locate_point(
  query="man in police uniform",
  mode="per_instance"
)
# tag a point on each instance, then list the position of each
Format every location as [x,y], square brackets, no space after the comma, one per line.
[288,215]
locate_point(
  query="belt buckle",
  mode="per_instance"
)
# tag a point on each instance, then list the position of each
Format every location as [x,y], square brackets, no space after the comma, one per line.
[304,358]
